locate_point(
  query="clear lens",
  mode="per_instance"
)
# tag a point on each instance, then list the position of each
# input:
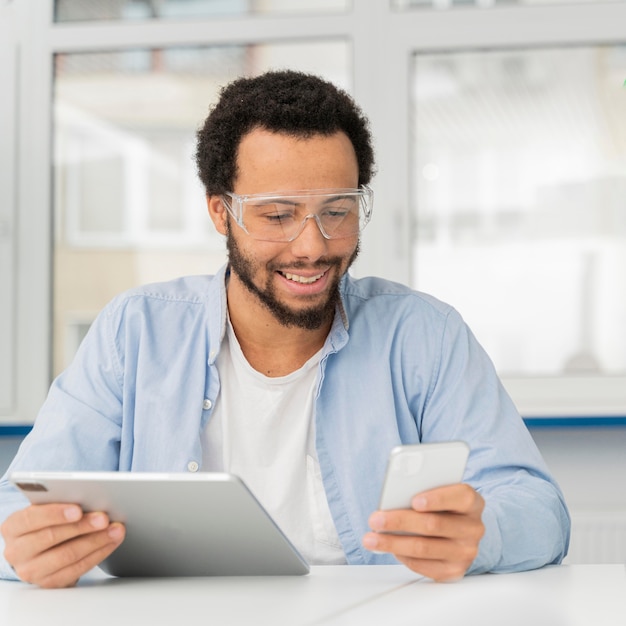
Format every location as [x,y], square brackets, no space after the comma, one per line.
[339,213]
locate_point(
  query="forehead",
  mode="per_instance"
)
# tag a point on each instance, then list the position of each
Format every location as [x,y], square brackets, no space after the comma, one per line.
[269,161]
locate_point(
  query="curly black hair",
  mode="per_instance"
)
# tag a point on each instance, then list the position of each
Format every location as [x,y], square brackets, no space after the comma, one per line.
[294,103]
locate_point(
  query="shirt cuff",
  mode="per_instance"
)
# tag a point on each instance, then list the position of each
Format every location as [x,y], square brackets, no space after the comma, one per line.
[6,571]
[490,547]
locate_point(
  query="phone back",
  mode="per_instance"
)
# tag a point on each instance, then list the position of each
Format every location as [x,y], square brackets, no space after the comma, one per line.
[420,467]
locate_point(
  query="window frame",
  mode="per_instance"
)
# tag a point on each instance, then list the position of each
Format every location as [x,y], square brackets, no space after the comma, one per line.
[8,113]
[383,42]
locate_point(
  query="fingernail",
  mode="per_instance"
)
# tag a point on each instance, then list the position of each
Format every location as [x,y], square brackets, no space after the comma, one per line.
[370,541]
[419,503]
[116,532]
[98,521]
[72,513]
[377,521]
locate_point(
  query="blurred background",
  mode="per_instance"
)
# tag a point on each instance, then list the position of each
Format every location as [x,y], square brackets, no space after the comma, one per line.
[500,131]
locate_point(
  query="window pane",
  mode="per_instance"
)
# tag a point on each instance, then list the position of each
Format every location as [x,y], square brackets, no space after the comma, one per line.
[519,187]
[127,204]
[84,10]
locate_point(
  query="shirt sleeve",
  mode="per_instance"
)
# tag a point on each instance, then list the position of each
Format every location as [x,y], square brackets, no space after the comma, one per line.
[11,500]
[527,524]
[78,426]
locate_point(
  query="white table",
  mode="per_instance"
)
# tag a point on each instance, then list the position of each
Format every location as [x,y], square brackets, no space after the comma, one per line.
[585,595]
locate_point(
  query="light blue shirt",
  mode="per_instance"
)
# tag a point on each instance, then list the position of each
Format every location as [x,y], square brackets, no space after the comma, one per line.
[398,366]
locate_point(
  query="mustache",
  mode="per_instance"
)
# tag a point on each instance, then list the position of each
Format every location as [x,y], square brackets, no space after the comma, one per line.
[321,265]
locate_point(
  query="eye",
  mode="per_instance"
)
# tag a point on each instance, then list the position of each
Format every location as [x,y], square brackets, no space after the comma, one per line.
[336,212]
[339,209]
[274,213]
[277,217]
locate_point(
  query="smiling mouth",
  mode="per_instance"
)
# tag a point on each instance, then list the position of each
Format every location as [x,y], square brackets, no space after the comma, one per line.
[304,280]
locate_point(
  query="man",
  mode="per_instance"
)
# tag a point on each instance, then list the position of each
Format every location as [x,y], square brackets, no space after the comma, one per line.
[286,371]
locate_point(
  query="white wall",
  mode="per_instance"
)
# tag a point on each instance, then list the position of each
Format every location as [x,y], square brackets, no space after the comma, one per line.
[589,463]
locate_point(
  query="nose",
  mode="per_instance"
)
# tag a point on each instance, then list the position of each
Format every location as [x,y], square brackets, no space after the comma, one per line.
[310,243]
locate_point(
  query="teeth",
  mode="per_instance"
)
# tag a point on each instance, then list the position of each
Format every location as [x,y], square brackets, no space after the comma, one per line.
[305,280]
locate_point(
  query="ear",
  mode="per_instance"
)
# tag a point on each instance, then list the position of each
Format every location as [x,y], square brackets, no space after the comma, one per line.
[217,212]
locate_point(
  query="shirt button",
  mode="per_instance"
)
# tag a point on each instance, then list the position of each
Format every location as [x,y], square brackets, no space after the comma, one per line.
[193,466]
[207,404]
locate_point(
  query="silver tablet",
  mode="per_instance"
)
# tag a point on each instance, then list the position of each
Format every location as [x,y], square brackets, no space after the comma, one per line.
[205,524]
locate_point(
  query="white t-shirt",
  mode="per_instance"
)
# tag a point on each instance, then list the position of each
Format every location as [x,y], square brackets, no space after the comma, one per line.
[262,429]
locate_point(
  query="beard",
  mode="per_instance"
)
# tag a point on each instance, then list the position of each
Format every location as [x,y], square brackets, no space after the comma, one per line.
[307,318]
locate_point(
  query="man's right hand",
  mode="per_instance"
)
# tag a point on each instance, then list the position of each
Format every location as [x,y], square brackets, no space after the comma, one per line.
[53,545]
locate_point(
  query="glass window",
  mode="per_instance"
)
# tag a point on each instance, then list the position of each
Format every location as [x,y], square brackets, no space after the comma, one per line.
[127,203]
[84,10]
[519,187]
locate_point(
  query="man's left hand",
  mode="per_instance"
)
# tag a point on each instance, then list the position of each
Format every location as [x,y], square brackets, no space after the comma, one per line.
[441,532]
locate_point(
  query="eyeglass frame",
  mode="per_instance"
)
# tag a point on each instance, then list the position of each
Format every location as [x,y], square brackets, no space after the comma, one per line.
[363,192]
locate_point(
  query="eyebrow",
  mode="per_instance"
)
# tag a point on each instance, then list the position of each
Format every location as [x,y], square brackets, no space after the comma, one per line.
[273,200]
[293,200]
[346,196]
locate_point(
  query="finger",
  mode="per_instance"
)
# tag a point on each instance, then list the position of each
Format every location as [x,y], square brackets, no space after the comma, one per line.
[439,559]
[459,498]
[27,546]
[446,525]
[439,571]
[64,564]
[422,548]
[38,516]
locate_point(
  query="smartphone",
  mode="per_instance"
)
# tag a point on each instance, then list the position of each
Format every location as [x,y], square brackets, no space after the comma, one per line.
[415,468]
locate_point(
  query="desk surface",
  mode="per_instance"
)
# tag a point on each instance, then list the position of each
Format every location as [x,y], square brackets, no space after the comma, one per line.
[585,595]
